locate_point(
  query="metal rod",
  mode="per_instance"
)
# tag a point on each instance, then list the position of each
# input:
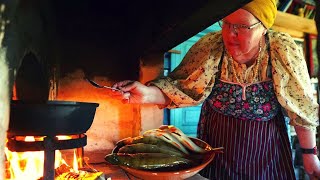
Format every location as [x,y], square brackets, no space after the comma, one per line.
[80,154]
[49,158]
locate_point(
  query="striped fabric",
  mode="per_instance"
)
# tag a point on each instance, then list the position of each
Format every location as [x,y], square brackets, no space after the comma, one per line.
[253,149]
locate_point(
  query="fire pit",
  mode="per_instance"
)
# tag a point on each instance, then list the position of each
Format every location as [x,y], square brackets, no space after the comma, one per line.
[46,121]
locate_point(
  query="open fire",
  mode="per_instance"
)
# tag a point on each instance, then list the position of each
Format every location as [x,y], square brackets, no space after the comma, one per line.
[30,164]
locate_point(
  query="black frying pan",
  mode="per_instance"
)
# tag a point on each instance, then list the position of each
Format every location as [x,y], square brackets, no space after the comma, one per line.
[50,118]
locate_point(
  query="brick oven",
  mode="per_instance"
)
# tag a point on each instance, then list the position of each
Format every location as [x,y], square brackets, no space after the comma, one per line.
[48,47]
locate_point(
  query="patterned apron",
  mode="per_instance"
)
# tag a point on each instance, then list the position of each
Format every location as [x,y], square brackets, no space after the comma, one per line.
[247,121]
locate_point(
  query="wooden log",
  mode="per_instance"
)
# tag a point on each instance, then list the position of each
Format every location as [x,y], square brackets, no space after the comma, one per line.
[81,175]
[297,23]
[292,32]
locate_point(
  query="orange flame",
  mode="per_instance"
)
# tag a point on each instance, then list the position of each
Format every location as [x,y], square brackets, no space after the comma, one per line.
[75,162]
[29,165]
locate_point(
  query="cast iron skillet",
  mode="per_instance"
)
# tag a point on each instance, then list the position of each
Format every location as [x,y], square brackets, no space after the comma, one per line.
[50,118]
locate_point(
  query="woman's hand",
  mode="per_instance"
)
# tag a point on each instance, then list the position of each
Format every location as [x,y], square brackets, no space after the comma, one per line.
[307,139]
[311,165]
[135,92]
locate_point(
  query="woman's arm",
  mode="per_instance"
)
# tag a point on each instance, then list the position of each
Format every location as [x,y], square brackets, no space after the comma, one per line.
[307,140]
[189,84]
[292,81]
[294,92]
[136,93]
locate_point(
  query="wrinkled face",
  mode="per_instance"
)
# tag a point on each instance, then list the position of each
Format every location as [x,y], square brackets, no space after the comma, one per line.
[242,44]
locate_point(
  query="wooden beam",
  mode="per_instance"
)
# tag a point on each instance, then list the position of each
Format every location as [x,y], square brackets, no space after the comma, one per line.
[292,32]
[294,22]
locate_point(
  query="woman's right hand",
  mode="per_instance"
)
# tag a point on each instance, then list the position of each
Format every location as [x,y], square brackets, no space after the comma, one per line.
[135,92]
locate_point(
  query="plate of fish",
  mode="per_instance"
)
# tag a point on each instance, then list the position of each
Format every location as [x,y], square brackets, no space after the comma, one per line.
[163,153]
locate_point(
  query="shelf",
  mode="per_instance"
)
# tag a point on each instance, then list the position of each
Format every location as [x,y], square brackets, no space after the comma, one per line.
[294,25]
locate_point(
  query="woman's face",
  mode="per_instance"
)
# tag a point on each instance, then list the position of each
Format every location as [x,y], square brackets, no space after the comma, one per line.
[242,43]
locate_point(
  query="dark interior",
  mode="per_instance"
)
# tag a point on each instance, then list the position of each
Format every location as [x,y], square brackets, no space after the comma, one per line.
[32,79]
[102,38]
[124,31]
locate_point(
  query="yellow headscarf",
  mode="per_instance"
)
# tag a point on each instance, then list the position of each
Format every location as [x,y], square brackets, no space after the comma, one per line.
[264,10]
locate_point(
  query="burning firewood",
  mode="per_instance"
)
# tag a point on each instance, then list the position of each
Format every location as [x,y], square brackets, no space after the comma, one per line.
[81,175]
[63,168]
[65,172]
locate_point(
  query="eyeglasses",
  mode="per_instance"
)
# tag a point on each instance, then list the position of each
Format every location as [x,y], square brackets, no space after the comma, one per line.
[238,28]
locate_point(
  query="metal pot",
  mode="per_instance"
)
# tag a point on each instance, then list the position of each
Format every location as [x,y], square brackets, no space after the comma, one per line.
[50,118]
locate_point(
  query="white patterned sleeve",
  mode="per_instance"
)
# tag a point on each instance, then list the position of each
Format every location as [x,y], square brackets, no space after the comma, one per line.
[292,82]
[191,82]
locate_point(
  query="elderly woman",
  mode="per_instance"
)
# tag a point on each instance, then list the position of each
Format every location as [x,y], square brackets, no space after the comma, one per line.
[248,78]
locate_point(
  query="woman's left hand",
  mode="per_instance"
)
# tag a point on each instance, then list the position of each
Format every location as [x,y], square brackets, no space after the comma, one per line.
[311,165]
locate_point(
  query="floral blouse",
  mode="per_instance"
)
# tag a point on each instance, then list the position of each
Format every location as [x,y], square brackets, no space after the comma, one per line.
[191,82]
